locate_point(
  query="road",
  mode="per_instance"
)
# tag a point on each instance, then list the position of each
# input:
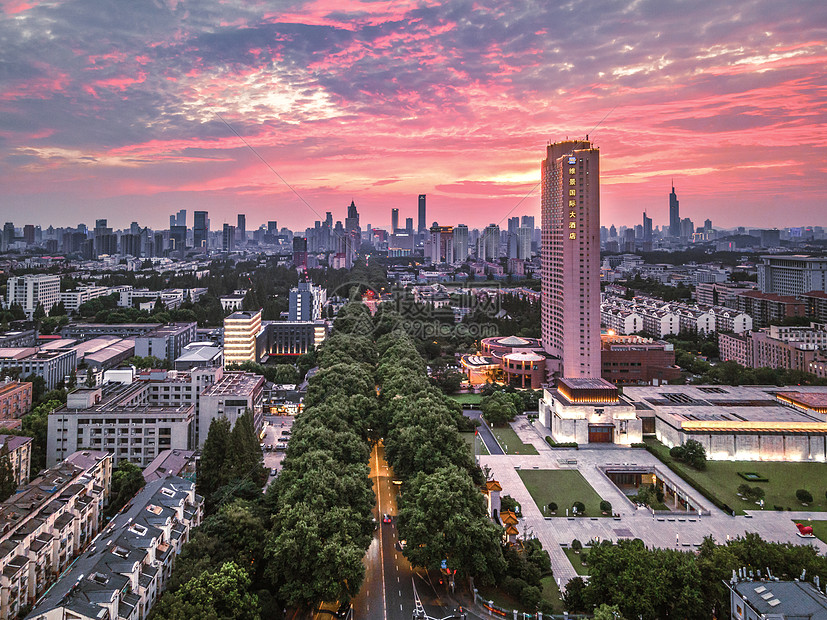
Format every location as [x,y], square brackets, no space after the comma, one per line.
[484,432]
[387,592]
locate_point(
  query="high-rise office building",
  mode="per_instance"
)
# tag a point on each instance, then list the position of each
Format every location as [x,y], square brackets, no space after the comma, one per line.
[241,332]
[200,229]
[300,252]
[241,230]
[570,203]
[524,236]
[674,215]
[513,225]
[228,238]
[306,302]
[647,228]
[272,227]
[488,246]
[460,243]
[409,225]
[440,245]
[181,218]
[394,220]
[527,221]
[422,226]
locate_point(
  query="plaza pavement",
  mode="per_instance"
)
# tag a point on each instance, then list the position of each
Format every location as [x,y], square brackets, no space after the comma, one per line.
[684,532]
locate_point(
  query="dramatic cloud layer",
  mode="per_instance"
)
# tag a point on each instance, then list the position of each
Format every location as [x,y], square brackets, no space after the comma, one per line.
[135,109]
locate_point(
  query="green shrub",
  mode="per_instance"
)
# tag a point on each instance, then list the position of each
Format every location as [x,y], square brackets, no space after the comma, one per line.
[605,506]
[804,496]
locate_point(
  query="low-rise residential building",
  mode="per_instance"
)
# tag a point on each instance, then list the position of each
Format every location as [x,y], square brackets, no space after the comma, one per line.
[816,305]
[125,571]
[768,308]
[15,399]
[786,347]
[20,456]
[47,523]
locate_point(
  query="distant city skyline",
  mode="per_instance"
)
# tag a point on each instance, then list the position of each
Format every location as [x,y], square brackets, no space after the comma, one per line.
[130,111]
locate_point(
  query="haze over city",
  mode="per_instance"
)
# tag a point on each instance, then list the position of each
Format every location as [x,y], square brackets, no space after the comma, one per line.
[115,110]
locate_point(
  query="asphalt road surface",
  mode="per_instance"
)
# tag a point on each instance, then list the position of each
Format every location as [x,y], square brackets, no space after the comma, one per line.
[484,432]
[388,590]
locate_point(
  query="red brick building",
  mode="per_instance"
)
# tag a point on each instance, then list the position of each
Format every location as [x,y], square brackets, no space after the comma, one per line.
[15,399]
[637,360]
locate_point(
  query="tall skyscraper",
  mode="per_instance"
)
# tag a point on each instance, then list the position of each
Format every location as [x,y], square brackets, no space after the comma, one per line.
[394,220]
[528,222]
[409,225]
[647,228]
[200,229]
[488,246]
[570,220]
[422,226]
[228,239]
[241,229]
[460,243]
[674,215]
[300,252]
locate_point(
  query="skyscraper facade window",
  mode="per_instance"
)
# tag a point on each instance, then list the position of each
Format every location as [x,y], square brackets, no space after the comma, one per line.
[570,219]
[674,215]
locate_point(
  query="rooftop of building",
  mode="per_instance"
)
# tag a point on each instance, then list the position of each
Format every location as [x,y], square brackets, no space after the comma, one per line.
[816,294]
[731,408]
[243,315]
[512,341]
[204,351]
[41,491]
[787,299]
[11,386]
[171,329]
[524,356]
[784,599]
[96,575]
[13,442]
[32,353]
[168,463]
[478,361]
[235,384]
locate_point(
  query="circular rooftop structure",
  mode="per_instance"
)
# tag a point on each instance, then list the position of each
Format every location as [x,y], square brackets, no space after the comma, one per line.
[524,356]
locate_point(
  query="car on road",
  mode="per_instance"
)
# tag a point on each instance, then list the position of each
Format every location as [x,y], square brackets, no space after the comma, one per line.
[386,518]
[281,446]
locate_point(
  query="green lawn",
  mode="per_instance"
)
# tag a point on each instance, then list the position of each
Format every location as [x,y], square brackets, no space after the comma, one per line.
[469,439]
[576,560]
[551,593]
[722,480]
[510,442]
[563,487]
[467,399]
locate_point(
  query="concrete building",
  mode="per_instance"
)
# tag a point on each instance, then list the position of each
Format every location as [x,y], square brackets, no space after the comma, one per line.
[768,308]
[585,410]
[745,423]
[230,397]
[241,332]
[816,305]
[306,302]
[790,348]
[15,399]
[199,355]
[124,574]
[439,246]
[776,600]
[570,205]
[294,337]
[47,523]
[628,360]
[53,365]
[792,274]
[167,342]
[33,290]
[87,331]
[181,463]
[20,456]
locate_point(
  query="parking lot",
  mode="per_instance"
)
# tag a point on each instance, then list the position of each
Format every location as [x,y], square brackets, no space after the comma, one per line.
[275,442]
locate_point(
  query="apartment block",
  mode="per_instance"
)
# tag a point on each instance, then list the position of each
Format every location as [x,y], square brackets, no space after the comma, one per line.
[792,274]
[20,456]
[230,397]
[816,305]
[47,523]
[767,308]
[125,572]
[790,348]
[15,399]
[87,331]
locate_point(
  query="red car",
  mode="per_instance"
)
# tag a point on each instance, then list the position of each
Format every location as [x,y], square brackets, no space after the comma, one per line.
[386,518]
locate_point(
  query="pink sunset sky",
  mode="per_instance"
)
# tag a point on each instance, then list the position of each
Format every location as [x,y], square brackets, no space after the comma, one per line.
[113,109]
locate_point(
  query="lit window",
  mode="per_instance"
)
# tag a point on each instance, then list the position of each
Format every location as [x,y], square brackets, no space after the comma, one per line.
[572,224]
[572,170]
[572,192]
[572,181]
[572,213]
[572,235]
